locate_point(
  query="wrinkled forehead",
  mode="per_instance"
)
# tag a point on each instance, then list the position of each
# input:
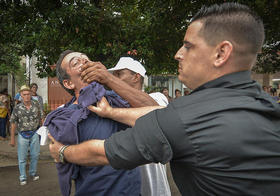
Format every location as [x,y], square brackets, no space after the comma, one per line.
[25,92]
[72,55]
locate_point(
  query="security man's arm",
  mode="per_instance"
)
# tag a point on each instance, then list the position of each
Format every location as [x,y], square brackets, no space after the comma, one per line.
[89,153]
[142,144]
[96,71]
[127,116]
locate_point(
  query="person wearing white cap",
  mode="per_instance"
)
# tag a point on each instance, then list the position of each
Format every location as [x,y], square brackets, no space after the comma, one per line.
[132,72]
[96,71]
[154,178]
[131,64]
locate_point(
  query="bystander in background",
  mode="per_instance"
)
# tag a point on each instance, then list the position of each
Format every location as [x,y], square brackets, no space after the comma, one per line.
[186,92]
[166,93]
[27,116]
[178,93]
[17,99]
[35,96]
[4,113]
[10,109]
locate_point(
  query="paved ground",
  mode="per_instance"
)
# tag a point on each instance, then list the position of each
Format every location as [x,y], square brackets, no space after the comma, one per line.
[9,182]
[45,186]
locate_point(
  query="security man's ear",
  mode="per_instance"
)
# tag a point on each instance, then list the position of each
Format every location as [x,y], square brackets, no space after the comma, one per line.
[222,53]
[68,84]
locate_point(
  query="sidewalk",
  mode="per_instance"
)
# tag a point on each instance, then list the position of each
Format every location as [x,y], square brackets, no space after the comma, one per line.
[8,154]
[9,182]
[45,186]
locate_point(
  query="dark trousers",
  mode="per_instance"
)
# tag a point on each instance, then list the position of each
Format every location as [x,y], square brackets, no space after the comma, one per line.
[3,122]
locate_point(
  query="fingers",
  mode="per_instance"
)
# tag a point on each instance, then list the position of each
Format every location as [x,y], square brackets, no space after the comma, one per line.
[93,109]
[51,138]
[12,145]
[90,66]
[103,101]
[89,71]
[84,69]
[54,147]
[102,108]
[90,77]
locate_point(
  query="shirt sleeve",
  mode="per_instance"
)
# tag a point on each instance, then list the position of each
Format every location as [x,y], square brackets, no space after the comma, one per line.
[38,105]
[142,144]
[41,112]
[41,102]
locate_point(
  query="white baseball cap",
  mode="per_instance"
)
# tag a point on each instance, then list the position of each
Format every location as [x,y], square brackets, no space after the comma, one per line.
[131,64]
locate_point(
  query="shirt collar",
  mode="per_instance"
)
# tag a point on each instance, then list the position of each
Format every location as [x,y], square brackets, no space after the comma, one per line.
[227,81]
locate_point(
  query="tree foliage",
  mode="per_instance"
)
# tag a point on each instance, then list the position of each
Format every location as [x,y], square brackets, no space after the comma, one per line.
[108,29]
[269,60]
[9,59]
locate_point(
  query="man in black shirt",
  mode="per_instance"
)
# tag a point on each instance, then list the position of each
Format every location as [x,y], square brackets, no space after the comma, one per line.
[223,138]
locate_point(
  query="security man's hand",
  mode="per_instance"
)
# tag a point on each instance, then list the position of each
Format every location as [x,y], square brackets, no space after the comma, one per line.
[54,147]
[102,108]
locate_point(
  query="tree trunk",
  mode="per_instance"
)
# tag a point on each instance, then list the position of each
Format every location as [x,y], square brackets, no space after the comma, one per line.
[266,79]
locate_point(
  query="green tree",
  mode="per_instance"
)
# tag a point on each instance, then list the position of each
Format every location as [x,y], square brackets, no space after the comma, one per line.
[107,29]
[269,59]
[9,60]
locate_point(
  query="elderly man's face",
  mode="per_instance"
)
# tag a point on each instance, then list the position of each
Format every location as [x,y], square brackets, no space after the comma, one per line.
[71,64]
[194,58]
[26,96]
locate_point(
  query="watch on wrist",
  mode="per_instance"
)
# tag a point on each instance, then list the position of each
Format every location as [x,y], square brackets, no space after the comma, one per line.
[61,154]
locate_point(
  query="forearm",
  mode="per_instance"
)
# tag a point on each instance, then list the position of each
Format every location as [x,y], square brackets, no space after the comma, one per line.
[129,116]
[42,121]
[89,153]
[135,97]
[8,110]
[12,131]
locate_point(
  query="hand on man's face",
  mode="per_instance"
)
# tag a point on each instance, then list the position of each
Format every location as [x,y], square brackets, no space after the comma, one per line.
[94,71]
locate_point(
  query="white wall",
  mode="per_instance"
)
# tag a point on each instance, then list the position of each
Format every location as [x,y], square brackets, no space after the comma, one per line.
[173,84]
[41,82]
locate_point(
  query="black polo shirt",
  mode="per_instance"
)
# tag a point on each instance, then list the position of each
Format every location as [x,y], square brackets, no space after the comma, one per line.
[222,139]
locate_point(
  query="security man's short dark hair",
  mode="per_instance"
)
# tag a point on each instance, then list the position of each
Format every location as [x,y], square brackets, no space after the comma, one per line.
[233,22]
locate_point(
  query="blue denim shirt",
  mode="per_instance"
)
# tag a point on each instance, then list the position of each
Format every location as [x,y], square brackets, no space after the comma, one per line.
[63,125]
[103,180]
